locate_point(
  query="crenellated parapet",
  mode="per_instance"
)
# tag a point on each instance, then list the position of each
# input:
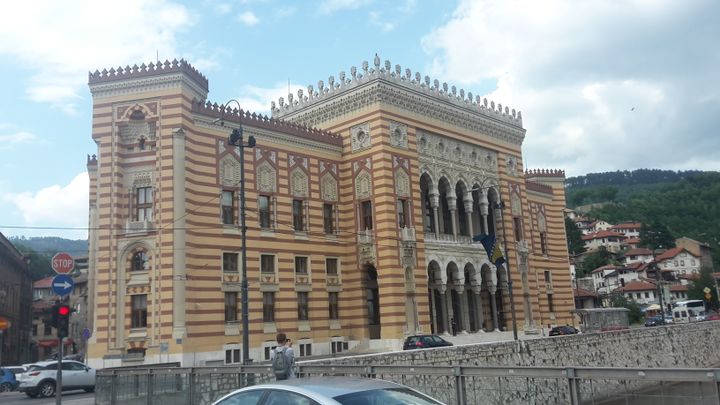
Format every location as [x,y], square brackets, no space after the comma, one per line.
[92,160]
[540,188]
[229,114]
[151,69]
[545,173]
[415,82]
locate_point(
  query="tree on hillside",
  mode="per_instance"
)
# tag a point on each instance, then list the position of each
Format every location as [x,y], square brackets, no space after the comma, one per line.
[574,238]
[656,236]
[696,289]
[592,261]
[39,262]
[618,300]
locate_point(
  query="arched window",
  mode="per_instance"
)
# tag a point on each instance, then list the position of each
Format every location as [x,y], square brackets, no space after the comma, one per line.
[139,261]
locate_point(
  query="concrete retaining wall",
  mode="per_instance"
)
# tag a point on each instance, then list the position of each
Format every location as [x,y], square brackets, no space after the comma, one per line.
[676,346]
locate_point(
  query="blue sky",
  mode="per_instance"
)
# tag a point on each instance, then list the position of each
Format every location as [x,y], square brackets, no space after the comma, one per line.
[602,85]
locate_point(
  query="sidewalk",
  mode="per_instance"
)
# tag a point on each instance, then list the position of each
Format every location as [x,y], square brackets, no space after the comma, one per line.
[489,337]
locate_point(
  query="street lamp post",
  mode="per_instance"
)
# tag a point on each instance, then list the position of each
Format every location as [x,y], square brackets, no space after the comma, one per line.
[501,206]
[236,139]
[658,276]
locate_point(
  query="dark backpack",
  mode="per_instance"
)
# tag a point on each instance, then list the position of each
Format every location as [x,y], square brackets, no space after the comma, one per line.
[281,364]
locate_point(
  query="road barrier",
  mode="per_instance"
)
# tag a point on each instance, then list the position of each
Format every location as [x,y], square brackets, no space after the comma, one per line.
[450,384]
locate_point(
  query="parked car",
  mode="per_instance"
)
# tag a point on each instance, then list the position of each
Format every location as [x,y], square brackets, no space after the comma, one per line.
[39,380]
[17,369]
[327,391]
[8,382]
[654,320]
[712,316]
[563,330]
[424,342]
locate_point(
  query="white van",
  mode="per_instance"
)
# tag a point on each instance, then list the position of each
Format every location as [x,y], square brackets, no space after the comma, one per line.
[685,314]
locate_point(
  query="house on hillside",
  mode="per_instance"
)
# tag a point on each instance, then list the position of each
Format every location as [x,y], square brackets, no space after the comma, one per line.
[637,255]
[599,225]
[698,249]
[678,261]
[612,241]
[586,299]
[678,292]
[632,243]
[598,276]
[642,292]
[629,229]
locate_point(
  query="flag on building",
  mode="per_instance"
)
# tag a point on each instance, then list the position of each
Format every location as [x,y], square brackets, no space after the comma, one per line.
[492,247]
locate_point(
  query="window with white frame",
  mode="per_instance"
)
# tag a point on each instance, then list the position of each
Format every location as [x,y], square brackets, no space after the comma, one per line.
[143,204]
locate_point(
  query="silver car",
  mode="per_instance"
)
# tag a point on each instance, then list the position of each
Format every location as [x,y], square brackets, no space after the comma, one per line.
[327,391]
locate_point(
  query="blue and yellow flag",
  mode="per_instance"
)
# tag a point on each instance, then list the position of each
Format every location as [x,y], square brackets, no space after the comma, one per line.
[492,247]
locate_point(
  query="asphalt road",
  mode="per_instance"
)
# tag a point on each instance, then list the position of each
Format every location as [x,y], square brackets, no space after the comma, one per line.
[68,398]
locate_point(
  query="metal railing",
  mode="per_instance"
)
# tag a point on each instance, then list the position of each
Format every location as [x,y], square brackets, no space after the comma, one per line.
[449,384]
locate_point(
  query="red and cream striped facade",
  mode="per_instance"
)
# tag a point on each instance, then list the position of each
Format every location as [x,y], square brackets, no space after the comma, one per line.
[384,147]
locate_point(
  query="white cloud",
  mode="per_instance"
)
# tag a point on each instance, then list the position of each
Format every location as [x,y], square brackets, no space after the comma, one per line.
[248,18]
[331,6]
[8,140]
[63,206]
[376,20]
[257,99]
[602,86]
[60,41]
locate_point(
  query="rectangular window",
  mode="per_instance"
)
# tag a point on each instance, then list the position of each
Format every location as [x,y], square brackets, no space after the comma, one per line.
[47,330]
[338,347]
[334,313]
[230,306]
[302,299]
[328,218]
[35,330]
[264,211]
[232,356]
[647,295]
[366,215]
[298,215]
[230,262]
[548,277]
[543,243]
[139,311]
[402,213]
[143,203]
[517,226]
[331,266]
[268,307]
[267,263]
[305,349]
[551,306]
[301,265]
[228,207]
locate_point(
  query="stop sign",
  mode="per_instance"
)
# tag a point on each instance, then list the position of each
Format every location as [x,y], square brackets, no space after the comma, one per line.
[62,263]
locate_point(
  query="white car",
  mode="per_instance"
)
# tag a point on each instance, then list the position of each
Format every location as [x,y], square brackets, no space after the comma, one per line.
[39,380]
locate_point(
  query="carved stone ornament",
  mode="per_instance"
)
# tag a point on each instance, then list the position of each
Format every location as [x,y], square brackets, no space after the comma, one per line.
[329,188]
[449,153]
[142,179]
[266,178]
[133,130]
[511,168]
[402,183]
[363,185]
[515,205]
[367,254]
[299,183]
[360,136]
[229,171]
[398,135]
[408,254]
[542,224]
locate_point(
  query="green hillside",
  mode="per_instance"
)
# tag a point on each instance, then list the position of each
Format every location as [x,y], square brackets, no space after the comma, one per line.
[42,249]
[688,203]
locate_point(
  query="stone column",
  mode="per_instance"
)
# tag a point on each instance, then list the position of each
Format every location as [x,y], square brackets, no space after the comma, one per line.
[464,308]
[468,201]
[484,213]
[479,312]
[449,313]
[452,206]
[442,327]
[179,273]
[435,203]
[433,311]
[493,306]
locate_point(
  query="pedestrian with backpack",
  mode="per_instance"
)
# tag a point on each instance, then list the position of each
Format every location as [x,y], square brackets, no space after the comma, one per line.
[282,358]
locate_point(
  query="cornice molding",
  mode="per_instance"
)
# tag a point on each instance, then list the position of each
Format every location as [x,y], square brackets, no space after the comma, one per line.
[147,84]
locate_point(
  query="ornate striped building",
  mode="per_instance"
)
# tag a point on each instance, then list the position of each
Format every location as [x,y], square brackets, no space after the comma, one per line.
[358,233]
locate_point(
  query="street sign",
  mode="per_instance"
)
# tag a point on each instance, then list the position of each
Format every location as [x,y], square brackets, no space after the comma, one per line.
[62,263]
[4,323]
[706,290]
[62,284]
[86,334]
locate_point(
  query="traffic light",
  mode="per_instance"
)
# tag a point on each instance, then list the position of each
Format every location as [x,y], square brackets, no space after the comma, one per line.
[61,319]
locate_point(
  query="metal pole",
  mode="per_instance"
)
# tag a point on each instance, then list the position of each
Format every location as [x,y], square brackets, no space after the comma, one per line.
[245,321]
[58,377]
[501,206]
[660,289]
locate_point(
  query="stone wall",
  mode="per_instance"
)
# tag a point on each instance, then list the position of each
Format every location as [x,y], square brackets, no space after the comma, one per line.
[676,346]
